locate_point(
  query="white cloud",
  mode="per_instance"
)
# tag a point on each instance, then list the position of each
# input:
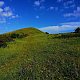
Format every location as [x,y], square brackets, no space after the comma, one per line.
[6,13]
[69,4]
[71,23]
[15,16]
[78,9]
[37,3]
[64,27]
[2,20]
[51,8]
[75,13]
[1,10]
[37,17]
[1,3]
[7,9]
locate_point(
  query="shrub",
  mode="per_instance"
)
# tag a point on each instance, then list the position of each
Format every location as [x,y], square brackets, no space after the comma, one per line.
[69,35]
[9,37]
[2,44]
[46,32]
[5,38]
[13,35]
[22,35]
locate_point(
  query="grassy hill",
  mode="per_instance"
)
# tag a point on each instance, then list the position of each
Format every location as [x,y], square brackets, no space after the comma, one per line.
[29,31]
[40,56]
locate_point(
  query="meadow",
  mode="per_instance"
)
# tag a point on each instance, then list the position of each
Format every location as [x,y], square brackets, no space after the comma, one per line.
[40,56]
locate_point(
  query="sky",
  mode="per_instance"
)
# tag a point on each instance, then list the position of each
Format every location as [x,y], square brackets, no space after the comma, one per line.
[53,16]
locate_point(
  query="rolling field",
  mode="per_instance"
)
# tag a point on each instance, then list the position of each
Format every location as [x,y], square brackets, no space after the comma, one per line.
[40,56]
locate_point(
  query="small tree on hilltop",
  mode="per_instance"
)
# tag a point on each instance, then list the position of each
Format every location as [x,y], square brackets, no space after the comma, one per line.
[77,30]
[46,32]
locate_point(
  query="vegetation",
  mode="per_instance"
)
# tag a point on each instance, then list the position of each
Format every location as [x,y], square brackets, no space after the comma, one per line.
[14,35]
[77,30]
[46,32]
[69,35]
[40,56]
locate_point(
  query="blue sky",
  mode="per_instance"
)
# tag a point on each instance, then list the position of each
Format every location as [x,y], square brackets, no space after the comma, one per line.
[53,16]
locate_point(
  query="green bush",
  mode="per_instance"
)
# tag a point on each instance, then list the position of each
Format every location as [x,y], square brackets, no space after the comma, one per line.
[2,44]
[69,35]
[46,32]
[10,37]
[15,35]
[5,38]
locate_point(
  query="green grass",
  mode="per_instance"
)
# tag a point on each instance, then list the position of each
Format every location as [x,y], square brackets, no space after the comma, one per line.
[39,56]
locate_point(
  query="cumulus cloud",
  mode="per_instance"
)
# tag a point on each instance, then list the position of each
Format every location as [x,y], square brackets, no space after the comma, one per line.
[75,13]
[15,16]
[6,12]
[37,17]
[69,4]
[1,10]
[51,8]
[1,3]
[78,9]
[71,23]
[64,27]
[38,2]
[7,8]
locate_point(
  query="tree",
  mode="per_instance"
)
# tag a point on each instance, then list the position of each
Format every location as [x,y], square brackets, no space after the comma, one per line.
[77,30]
[46,32]
[14,35]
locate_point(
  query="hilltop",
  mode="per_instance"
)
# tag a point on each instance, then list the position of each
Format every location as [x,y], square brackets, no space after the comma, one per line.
[28,31]
[21,33]
[31,54]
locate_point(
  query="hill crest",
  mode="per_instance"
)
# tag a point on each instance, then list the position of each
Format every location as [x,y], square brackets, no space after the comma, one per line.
[29,31]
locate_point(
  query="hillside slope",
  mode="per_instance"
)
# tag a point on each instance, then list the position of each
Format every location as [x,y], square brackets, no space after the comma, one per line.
[38,56]
[29,31]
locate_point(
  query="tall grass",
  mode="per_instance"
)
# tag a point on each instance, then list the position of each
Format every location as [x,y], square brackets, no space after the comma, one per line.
[41,57]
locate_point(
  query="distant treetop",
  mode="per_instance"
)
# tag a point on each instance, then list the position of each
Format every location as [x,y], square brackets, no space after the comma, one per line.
[77,30]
